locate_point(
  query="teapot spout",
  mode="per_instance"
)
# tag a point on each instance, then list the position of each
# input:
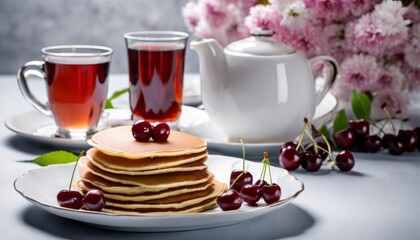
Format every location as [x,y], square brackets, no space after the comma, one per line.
[213,73]
[213,66]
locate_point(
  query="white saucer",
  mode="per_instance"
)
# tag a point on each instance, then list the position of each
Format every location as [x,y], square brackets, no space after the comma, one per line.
[196,122]
[41,185]
[38,127]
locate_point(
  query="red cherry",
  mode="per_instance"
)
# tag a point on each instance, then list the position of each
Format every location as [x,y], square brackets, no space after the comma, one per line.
[160,132]
[251,194]
[141,130]
[311,161]
[409,139]
[290,159]
[360,126]
[244,179]
[345,138]
[230,200]
[94,200]
[70,199]
[286,145]
[271,193]
[345,161]
[373,143]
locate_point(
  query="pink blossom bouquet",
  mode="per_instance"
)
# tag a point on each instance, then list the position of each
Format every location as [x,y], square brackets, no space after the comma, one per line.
[377,43]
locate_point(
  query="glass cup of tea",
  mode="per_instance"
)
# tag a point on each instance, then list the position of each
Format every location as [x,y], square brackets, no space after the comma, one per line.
[76,78]
[156,72]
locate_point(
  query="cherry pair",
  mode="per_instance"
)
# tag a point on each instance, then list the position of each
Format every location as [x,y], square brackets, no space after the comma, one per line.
[94,199]
[142,131]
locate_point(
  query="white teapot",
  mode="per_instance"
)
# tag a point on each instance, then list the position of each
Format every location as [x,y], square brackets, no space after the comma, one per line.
[259,89]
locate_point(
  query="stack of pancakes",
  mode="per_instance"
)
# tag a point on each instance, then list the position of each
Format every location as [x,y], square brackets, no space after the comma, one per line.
[149,177]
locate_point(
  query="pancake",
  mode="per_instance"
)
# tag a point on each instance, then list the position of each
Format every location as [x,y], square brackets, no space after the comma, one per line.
[145,196]
[118,188]
[202,206]
[192,205]
[119,142]
[160,181]
[143,165]
[149,178]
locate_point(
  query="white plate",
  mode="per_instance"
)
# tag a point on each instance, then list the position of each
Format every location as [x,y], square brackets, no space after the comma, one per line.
[40,186]
[197,122]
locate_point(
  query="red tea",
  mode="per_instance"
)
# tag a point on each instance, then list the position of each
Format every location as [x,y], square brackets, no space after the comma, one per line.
[156,76]
[77,93]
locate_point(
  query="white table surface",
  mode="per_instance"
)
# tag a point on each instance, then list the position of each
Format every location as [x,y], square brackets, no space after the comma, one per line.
[379,199]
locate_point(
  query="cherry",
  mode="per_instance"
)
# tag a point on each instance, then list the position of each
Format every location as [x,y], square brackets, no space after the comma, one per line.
[251,194]
[345,138]
[244,179]
[260,183]
[373,143]
[409,139]
[417,130]
[288,144]
[141,130]
[160,132]
[385,139]
[395,146]
[230,200]
[70,199]
[311,161]
[345,161]
[94,200]
[323,145]
[271,193]
[290,158]
[360,126]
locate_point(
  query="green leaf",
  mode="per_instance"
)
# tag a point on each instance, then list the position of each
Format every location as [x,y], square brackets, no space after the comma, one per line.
[55,157]
[115,95]
[405,3]
[324,131]
[361,105]
[340,121]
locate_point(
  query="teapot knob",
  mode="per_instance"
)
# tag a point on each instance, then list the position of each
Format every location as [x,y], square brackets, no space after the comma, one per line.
[262,32]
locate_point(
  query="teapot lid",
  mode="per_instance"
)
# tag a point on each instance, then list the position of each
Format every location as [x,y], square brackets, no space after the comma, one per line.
[261,43]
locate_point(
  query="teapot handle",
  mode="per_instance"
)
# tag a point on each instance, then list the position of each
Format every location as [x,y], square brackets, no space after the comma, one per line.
[330,78]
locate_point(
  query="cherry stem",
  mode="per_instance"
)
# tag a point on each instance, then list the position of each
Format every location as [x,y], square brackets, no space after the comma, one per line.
[389,119]
[243,155]
[329,151]
[82,153]
[302,133]
[266,163]
[263,170]
[313,141]
[236,179]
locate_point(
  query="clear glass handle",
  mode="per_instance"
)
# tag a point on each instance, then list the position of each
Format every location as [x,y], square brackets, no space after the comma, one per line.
[330,78]
[35,68]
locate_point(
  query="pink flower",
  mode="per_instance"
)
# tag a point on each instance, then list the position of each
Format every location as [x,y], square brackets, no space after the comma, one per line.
[359,72]
[360,7]
[394,101]
[369,38]
[263,17]
[413,78]
[390,78]
[390,15]
[413,13]
[306,40]
[191,14]
[327,9]
[412,48]
[215,13]
[295,15]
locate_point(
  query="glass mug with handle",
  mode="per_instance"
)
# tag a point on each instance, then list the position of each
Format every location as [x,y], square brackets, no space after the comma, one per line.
[77,85]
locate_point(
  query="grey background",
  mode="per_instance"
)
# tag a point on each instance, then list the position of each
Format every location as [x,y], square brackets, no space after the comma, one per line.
[28,25]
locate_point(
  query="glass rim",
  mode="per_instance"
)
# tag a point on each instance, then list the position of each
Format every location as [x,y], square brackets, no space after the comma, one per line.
[156,36]
[102,51]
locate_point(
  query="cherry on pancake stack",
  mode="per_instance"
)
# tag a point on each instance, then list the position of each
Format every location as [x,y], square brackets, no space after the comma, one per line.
[150,178]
